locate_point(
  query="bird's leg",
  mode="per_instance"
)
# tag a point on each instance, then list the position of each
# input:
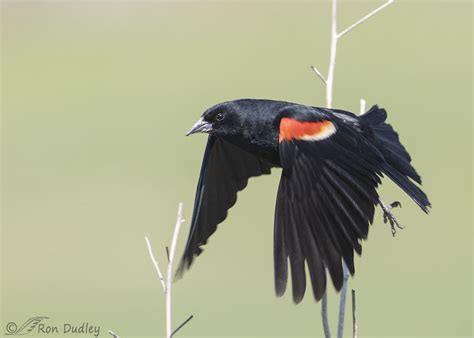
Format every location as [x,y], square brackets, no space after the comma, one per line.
[389,216]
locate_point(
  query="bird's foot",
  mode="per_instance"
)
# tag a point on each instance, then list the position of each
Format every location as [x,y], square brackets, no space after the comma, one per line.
[389,216]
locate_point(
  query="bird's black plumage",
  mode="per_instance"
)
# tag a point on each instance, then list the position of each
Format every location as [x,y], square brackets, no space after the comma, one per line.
[332,163]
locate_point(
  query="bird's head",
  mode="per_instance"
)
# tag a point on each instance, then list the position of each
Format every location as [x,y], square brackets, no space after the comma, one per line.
[223,119]
[243,117]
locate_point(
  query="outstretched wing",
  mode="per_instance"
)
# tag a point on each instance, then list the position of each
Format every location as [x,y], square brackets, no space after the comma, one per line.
[225,170]
[326,199]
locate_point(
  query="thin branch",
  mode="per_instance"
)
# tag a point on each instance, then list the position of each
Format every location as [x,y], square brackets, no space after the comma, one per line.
[365,18]
[324,315]
[363,104]
[332,56]
[182,324]
[319,74]
[167,253]
[354,322]
[342,301]
[169,273]
[113,334]
[155,263]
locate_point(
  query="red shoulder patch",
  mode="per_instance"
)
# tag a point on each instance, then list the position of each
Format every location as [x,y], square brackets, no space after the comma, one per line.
[291,129]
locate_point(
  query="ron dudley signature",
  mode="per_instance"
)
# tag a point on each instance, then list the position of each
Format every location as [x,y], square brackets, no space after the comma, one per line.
[40,325]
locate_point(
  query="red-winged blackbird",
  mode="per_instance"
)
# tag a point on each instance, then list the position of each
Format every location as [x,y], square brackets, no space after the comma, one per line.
[332,162]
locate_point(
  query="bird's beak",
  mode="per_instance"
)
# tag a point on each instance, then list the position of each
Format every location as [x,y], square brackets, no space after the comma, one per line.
[200,126]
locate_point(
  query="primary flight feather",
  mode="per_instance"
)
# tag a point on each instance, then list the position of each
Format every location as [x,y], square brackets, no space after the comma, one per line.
[332,163]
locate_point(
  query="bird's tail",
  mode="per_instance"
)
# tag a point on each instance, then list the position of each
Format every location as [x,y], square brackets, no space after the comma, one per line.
[397,164]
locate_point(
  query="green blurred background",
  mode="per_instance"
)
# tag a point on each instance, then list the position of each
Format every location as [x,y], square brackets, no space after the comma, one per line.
[96,98]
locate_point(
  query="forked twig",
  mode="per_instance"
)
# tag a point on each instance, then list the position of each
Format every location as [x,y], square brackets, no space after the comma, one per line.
[371,14]
[329,79]
[166,284]
[155,264]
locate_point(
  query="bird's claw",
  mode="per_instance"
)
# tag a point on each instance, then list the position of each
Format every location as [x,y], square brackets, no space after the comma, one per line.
[390,217]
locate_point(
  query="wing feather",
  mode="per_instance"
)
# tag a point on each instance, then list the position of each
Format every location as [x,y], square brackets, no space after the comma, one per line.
[225,171]
[325,203]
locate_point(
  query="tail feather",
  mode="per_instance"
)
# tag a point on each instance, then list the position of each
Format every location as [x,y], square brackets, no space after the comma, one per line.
[409,187]
[397,160]
[394,152]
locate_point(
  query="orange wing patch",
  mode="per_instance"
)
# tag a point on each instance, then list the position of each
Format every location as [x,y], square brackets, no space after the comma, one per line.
[291,129]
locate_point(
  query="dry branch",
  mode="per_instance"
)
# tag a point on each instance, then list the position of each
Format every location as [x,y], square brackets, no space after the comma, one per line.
[166,283]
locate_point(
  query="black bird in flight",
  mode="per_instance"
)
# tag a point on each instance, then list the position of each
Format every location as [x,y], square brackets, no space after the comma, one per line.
[332,163]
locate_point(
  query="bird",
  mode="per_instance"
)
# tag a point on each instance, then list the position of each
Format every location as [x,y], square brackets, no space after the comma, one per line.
[332,162]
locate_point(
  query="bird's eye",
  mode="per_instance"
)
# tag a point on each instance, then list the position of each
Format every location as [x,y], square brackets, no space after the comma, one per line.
[219,117]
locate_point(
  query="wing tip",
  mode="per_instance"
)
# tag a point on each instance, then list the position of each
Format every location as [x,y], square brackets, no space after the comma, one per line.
[280,286]
[182,268]
[298,298]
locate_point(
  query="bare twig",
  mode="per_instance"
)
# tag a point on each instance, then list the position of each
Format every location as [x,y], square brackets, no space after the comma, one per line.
[362,109]
[329,80]
[181,325]
[169,274]
[113,334]
[155,264]
[170,253]
[318,73]
[342,301]
[371,14]
[354,322]
[324,315]
[332,56]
